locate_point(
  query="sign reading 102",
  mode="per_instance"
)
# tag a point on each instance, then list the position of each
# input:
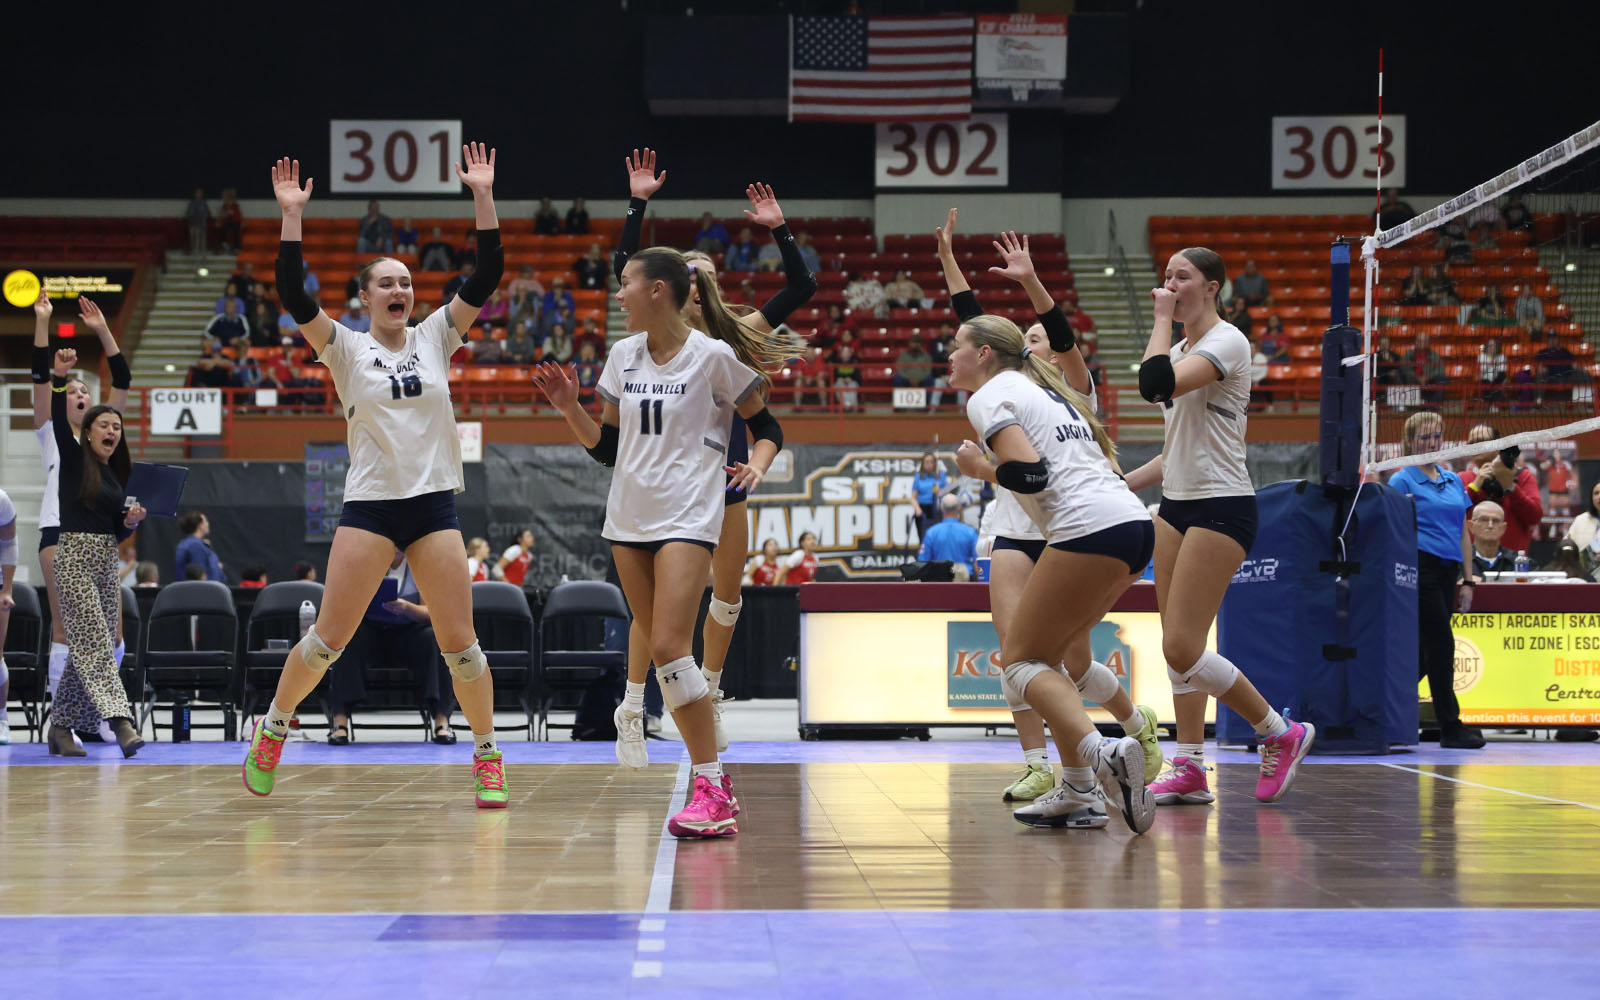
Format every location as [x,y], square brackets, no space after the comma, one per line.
[394,157]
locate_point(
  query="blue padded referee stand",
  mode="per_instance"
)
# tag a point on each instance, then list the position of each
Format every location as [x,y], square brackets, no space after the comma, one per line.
[1322,615]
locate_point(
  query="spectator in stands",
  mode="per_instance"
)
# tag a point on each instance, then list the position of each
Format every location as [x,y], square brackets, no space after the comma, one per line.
[436,254]
[592,335]
[1274,341]
[762,570]
[305,571]
[577,218]
[1251,285]
[588,369]
[593,269]
[515,560]
[1415,290]
[769,257]
[929,482]
[846,378]
[712,237]
[1485,216]
[1497,476]
[356,317]
[496,313]
[746,295]
[914,366]
[405,237]
[1488,526]
[229,329]
[230,294]
[1554,367]
[903,293]
[1441,290]
[422,311]
[940,350]
[312,284]
[1490,310]
[194,549]
[864,296]
[146,574]
[808,252]
[1259,369]
[375,232]
[1584,533]
[246,372]
[1080,321]
[742,254]
[244,281]
[231,218]
[1238,314]
[1491,365]
[1529,308]
[488,350]
[1425,367]
[352,288]
[811,378]
[557,344]
[1455,241]
[1388,363]
[289,330]
[833,325]
[521,348]
[546,221]
[198,217]
[552,318]
[254,577]
[951,539]
[210,370]
[279,372]
[1516,214]
[453,286]
[1393,211]
[393,632]
[558,299]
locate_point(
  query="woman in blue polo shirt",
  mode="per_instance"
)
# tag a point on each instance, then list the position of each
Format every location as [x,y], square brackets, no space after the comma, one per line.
[929,482]
[1444,553]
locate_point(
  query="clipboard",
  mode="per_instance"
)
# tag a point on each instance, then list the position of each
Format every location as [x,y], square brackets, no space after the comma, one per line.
[158,487]
[388,590]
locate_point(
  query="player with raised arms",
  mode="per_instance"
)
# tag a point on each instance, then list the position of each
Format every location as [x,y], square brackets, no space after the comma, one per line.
[405,469]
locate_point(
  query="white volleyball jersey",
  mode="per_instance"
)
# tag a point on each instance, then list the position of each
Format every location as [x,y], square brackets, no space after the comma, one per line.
[1006,518]
[1203,454]
[1082,494]
[50,503]
[672,438]
[402,428]
[8,511]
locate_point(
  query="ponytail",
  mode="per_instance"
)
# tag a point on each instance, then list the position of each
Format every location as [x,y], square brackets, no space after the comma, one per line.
[1003,337]
[762,352]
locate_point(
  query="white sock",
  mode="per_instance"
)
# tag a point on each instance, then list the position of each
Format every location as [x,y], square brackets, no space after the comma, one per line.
[278,718]
[1272,726]
[1132,724]
[122,647]
[712,771]
[633,698]
[713,678]
[1194,751]
[58,665]
[1090,748]
[1080,778]
[483,744]
[1036,757]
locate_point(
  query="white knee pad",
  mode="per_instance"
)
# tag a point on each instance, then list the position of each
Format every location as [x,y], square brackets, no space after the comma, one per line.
[1014,700]
[1022,673]
[725,614]
[1098,684]
[318,655]
[682,683]
[467,665]
[1212,674]
[5,675]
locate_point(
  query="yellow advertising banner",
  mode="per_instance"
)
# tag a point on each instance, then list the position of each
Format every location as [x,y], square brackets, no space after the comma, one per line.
[1535,668]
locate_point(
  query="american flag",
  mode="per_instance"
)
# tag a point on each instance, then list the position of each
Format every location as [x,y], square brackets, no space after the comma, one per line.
[882,69]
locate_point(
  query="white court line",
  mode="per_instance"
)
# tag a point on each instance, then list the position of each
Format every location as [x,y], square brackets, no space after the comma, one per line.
[660,899]
[1492,788]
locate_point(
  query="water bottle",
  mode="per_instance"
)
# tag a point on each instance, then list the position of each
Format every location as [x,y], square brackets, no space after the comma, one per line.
[1521,565]
[308,617]
[180,717]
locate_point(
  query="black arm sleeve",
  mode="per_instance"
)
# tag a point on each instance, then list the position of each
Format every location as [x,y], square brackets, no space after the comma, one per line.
[628,242]
[475,291]
[605,449]
[800,283]
[1057,329]
[42,357]
[66,444]
[766,428]
[1156,379]
[121,376]
[291,275]
[966,305]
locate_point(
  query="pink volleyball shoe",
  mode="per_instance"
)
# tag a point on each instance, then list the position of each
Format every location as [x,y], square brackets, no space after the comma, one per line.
[1184,784]
[708,814]
[1280,756]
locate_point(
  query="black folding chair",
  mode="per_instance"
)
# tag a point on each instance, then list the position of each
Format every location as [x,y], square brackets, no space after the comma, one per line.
[270,632]
[132,630]
[504,625]
[575,603]
[26,658]
[190,650]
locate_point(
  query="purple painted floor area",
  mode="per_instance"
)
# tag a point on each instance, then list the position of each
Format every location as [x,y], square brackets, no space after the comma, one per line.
[999,750]
[843,955]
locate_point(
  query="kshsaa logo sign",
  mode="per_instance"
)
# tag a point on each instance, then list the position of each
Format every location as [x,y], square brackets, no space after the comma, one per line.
[973,668]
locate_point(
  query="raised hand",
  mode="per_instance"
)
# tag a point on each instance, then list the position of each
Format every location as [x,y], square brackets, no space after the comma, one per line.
[767,213]
[944,235]
[42,306]
[93,318]
[745,477]
[643,181]
[286,187]
[1019,264]
[560,386]
[479,172]
[1165,302]
[66,360]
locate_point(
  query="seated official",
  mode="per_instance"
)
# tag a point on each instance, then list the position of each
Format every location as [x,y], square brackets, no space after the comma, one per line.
[1488,526]
[393,633]
[951,539]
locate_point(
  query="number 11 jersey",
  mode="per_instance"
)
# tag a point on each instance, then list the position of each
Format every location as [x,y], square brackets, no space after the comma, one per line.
[672,437]
[401,426]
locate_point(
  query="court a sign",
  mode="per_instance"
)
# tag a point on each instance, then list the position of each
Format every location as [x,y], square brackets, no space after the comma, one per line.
[183,412]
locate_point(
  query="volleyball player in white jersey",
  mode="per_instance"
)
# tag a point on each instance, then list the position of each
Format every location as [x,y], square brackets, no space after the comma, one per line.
[1053,454]
[670,393]
[1018,542]
[405,469]
[78,403]
[752,334]
[1207,521]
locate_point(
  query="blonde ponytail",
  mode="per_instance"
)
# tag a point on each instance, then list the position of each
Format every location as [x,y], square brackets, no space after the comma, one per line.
[1004,338]
[763,352]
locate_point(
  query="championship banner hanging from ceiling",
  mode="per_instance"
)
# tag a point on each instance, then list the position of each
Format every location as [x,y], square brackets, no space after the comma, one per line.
[1020,58]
